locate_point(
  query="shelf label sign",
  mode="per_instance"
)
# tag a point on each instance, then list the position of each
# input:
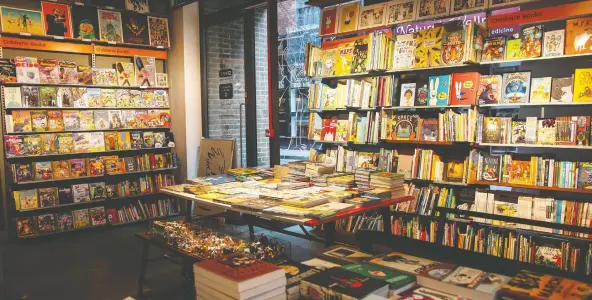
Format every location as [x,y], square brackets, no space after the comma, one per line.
[42,45]
[417,26]
[128,52]
[541,15]
[225,91]
[225,73]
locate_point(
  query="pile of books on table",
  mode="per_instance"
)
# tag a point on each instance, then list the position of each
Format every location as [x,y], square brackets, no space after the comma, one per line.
[392,181]
[362,177]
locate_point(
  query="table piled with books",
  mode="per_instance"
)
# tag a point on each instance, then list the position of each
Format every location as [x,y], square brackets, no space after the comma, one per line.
[288,194]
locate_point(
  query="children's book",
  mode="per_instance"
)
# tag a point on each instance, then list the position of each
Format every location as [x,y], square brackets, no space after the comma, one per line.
[71,121]
[123,98]
[540,91]
[162,80]
[562,90]
[158,29]
[45,223]
[48,196]
[26,199]
[97,191]
[21,121]
[64,97]
[49,71]
[554,43]
[101,119]
[61,169]
[161,98]
[65,143]
[135,98]
[110,28]
[68,72]
[42,170]
[125,74]
[86,120]
[136,140]
[124,140]
[407,94]
[464,88]
[65,195]
[148,100]
[97,142]
[30,96]
[577,40]
[115,119]
[148,137]
[32,145]
[583,85]
[14,146]
[94,97]
[55,120]
[439,88]
[85,75]
[81,142]
[78,167]
[48,96]
[64,221]
[39,120]
[490,89]
[12,97]
[494,49]
[531,44]
[111,141]
[49,144]
[79,97]
[81,218]
[27,69]
[516,87]
[97,216]
[108,97]
[145,70]
[128,118]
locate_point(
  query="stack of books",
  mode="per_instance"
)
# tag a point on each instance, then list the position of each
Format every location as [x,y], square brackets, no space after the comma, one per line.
[345,180]
[392,181]
[317,169]
[362,177]
[237,276]
[295,272]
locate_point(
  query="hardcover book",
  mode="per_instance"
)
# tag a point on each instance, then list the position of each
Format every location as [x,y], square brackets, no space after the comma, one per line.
[161,98]
[110,26]
[405,46]
[583,85]
[583,130]
[348,17]
[453,43]
[80,193]
[490,89]
[158,29]
[520,172]
[81,142]
[404,127]
[136,140]
[404,262]
[85,22]
[546,132]
[48,96]
[428,9]
[125,74]
[562,90]
[96,166]
[584,176]
[65,195]
[24,226]
[338,283]
[55,120]
[464,88]
[21,121]
[148,137]
[48,196]
[429,129]
[540,91]
[407,94]
[65,143]
[14,146]
[42,170]
[26,199]
[78,167]
[542,286]
[371,16]
[490,169]
[531,44]
[64,221]
[422,95]
[61,169]
[439,87]
[513,49]
[97,216]
[115,119]
[554,43]
[39,120]
[49,71]
[137,5]
[30,96]
[22,172]
[516,87]
[27,68]
[81,218]
[32,145]
[494,49]
[328,23]
[428,47]
[577,40]
[46,223]
[144,69]
[518,132]
[97,191]
[64,97]
[97,142]
[465,277]
[162,80]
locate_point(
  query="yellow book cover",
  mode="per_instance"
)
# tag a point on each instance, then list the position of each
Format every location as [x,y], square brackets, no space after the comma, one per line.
[428,47]
[513,49]
[348,17]
[343,58]
[583,85]
[520,172]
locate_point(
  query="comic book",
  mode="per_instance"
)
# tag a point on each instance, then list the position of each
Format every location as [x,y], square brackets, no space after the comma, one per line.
[32,144]
[101,119]
[79,97]
[68,72]
[145,70]
[49,144]
[81,142]
[161,98]
[30,96]
[49,71]
[111,141]
[65,143]
[71,121]
[97,142]
[64,97]
[123,98]
[110,29]
[86,120]
[108,97]
[48,96]
[85,75]
[94,97]
[27,69]
[125,74]
[39,120]
[158,30]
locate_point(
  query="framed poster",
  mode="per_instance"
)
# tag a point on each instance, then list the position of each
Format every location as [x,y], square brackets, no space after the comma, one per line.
[85,22]
[16,20]
[137,5]
[400,11]
[135,28]
[328,21]
[348,17]
[463,6]
[429,9]
[57,19]
[158,29]
[371,16]
[500,3]
[110,26]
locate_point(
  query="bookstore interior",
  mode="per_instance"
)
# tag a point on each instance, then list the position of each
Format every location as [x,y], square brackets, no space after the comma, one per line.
[299,149]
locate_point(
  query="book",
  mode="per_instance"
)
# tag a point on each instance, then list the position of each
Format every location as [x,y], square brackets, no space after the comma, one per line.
[520,172]
[546,132]
[531,44]
[55,120]
[97,142]
[577,36]
[339,283]
[582,89]
[491,130]
[549,255]
[135,28]
[407,94]
[65,195]
[513,49]
[464,88]
[111,141]
[101,119]
[398,281]
[30,96]
[48,196]
[583,131]
[49,144]
[516,87]
[329,21]
[71,120]
[124,141]
[86,120]
[81,142]
[65,143]
[158,30]
[46,223]
[97,216]
[428,47]
[344,254]
[110,29]
[161,98]
[32,144]
[7,71]
[79,97]
[432,9]
[494,49]
[64,97]
[85,75]
[96,166]
[27,68]
[136,140]
[403,262]
[542,286]
[25,199]
[81,218]
[439,87]
[104,76]
[490,168]
[554,43]
[404,127]
[540,91]
[49,71]
[584,176]
[490,89]
[405,46]
[348,15]
[562,90]
[144,69]
[14,146]
[371,16]
[125,74]
[21,121]
[123,97]
[12,97]
[68,72]
[115,119]
[160,139]
[491,283]
[148,139]
[97,191]
[24,226]
[518,132]
[80,193]
[48,96]
[22,172]
[162,80]
[85,22]
[61,169]
[39,120]
[94,97]
[422,95]
[78,167]
[42,170]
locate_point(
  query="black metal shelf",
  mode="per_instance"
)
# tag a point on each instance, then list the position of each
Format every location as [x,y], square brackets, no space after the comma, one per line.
[8,84]
[92,130]
[101,153]
[88,108]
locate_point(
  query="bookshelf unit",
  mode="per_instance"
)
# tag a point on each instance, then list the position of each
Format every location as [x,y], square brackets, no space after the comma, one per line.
[142,205]
[463,193]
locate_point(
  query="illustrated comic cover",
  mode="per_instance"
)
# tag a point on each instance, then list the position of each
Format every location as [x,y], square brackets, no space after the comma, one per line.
[577,36]
[135,28]
[348,17]
[57,19]
[15,20]
[582,85]
[158,29]
[427,9]
[137,5]
[30,96]
[400,11]
[144,69]
[68,72]
[94,97]
[554,43]
[49,71]
[49,144]
[328,23]
[85,22]
[516,87]
[428,47]
[79,97]
[48,96]
[27,68]
[64,97]
[125,74]
[371,16]
[65,143]
[81,218]
[85,75]
[110,26]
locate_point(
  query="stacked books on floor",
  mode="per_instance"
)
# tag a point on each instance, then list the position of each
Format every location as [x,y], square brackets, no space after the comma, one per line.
[238,276]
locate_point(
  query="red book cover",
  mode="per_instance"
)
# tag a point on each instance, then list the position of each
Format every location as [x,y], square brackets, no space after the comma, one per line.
[328,21]
[464,88]
[237,267]
[111,216]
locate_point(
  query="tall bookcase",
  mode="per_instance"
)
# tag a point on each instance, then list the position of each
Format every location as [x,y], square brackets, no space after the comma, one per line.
[148,203]
[452,192]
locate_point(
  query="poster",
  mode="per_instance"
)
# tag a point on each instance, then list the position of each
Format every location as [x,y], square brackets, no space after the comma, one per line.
[158,28]
[428,9]
[137,5]
[16,20]
[328,21]
[85,22]
[135,29]
[399,11]
[110,26]
[57,19]
[462,6]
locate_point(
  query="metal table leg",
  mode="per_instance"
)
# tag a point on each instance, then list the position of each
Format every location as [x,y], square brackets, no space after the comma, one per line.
[145,250]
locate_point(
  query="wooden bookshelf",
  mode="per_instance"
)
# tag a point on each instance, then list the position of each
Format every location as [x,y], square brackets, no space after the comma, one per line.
[536,146]
[534,187]
[87,108]
[437,182]
[428,107]
[91,130]
[428,143]
[86,86]
[100,153]
[518,105]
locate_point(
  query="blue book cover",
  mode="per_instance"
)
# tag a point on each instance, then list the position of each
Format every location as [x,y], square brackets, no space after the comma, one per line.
[439,88]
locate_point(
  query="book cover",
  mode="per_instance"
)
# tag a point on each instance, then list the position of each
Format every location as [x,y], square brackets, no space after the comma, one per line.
[48,96]
[562,90]
[81,218]
[453,43]
[360,56]
[148,137]
[518,132]
[79,97]
[26,199]
[531,44]
[49,71]
[513,49]
[64,221]
[42,170]
[432,9]
[137,5]
[85,22]
[348,17]
[97,142]
[160,138]
[94,97]
[68,72]
[22,172]
[123,98]
[49,144]
[144,69]
[13,19]
[162,80]
[549,255]
[439,87]
[546,131]
[407,94]
[422,95]
[516,87]
[65,143]
[583,85]
[328,24]
[429,129]
[428,47]
[465,277]
[61,169]
[97,191]
[12,97]
[520,172]
[21,121]
[78,167]
[71,121]
[161,98]
[371,16]
[27,68]
[110,26]
[135,28]
[32,145]
[404,262]
[494,49]
[101,119]
[464,88]
[97,216]
[438,271]
[395,279]
[583,130]
[338,283]
[46,223]
[86,120]
[115,119]
[158,29]
[148,99]
[15,146]
[404,127]
[65,195]
[491,283]
[400,11]
[48,196]
[7,71]
[30,96]
[540,91]
[347,254]
[64,97]
[490,169]
[39,120]
[490,89]
[554,43]
[81,142]
[55,120]
[124,140]
[237,267]
[125,74]
[136,140]
[577,36]
[24,226]
[111,141]
[585,176]
[85,75]
[405,46]
[80,193]
[96,166]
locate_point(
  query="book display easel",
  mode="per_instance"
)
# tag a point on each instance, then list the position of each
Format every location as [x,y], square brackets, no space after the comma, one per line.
[492,142]
[86,118]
